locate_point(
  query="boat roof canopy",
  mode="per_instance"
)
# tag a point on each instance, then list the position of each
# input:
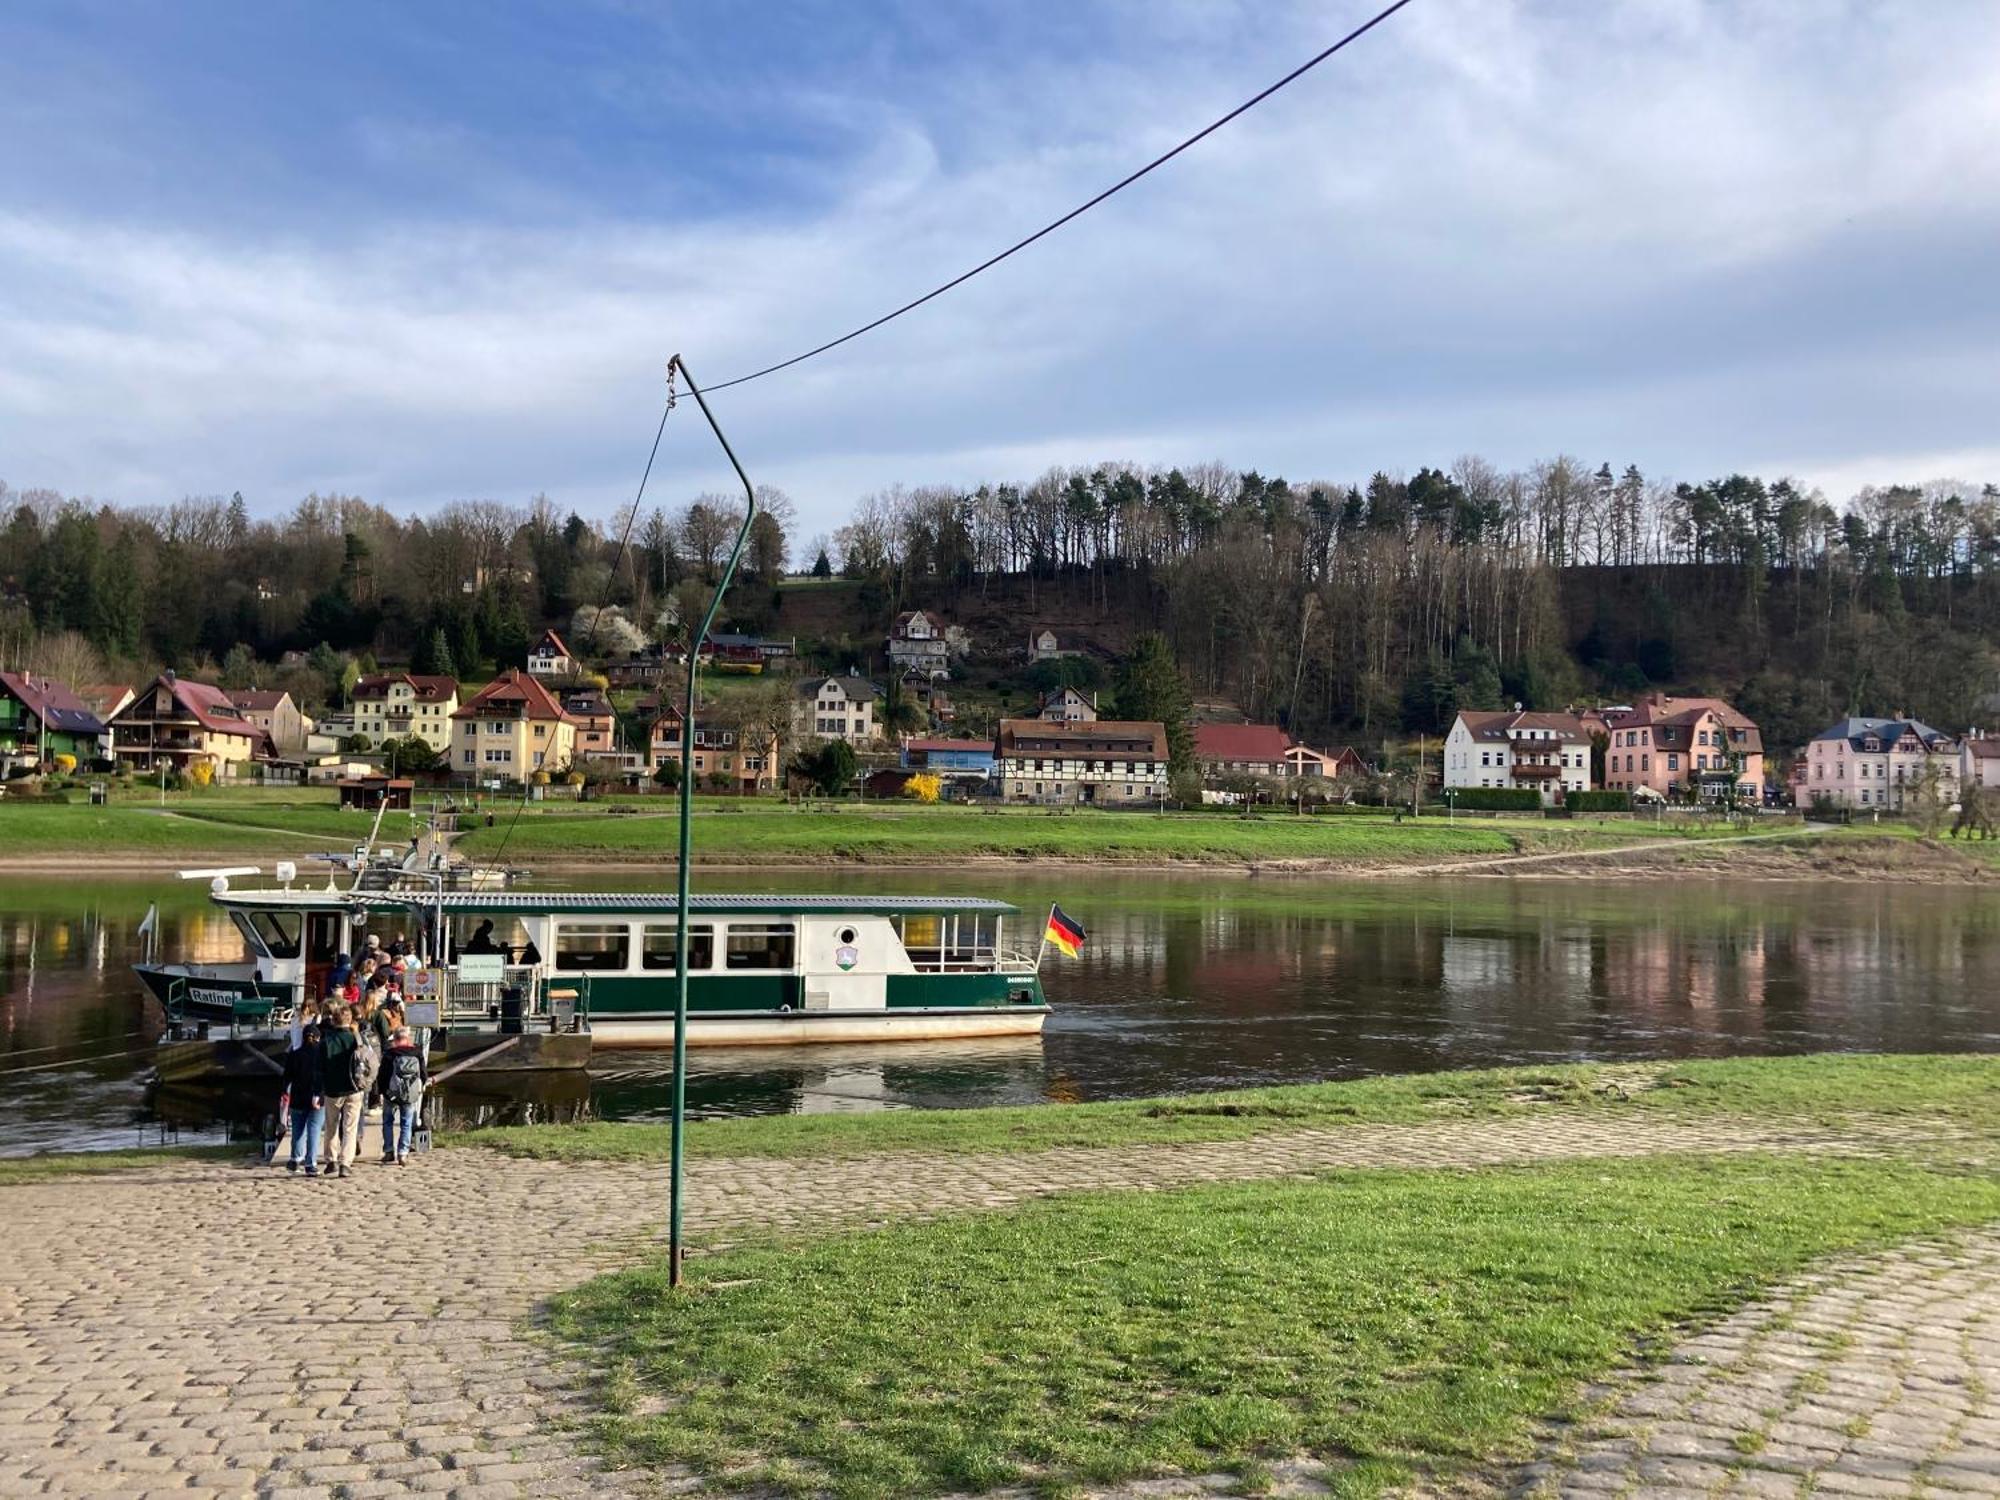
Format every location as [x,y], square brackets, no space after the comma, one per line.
[608,903]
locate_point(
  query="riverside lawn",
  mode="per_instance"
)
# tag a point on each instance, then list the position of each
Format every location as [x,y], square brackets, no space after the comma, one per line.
[734,832]
[1962,1091]
[1392,1323]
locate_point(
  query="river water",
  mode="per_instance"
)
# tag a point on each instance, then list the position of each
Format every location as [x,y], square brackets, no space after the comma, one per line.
[1187,982]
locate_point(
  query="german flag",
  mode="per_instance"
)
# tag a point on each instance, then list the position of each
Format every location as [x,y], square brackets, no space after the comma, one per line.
[1063,932]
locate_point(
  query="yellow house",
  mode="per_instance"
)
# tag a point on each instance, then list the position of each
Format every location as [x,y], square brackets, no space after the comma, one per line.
[510,729]
[180,724]
[395,705]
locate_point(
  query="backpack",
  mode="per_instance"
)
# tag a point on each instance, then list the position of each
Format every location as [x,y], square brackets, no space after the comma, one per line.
[406,1072]
[362,1065]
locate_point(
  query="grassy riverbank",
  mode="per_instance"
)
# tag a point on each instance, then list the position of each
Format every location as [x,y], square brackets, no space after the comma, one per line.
[734,833]
[1393,1323]
[15,1170]
[1964,1090]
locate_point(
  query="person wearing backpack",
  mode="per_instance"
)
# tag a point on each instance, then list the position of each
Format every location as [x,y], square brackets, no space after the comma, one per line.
[350,1062]
[403,1078]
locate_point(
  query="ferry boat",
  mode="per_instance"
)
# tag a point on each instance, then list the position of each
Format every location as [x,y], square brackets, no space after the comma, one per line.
[565,971]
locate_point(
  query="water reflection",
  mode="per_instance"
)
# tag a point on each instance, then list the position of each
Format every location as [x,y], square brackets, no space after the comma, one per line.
[1186,983]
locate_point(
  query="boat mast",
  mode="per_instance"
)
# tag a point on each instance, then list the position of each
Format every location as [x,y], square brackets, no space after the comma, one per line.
[674,1193]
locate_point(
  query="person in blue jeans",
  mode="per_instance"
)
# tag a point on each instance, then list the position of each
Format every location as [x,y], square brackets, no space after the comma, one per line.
[305,1081]
[403,1079]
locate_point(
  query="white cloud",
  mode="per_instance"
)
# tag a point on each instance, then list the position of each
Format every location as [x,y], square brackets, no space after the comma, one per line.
[1682,234]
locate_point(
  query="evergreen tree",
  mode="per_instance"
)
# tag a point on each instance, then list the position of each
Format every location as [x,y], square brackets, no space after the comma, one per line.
[120,601]
[433,657]
[1150,686]
[822,566]
[239,667]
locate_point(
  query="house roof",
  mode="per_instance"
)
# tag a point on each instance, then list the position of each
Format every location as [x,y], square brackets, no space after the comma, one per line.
[981,747]
[1984,749]
[854,687]
[208,705]
[55,705]
[428,689]
[1502,724]
[1247,742]
[902,624]
[1672,720]
[589,705]
[1858,731]
[104,698]
[1101,736]
[513,690]
[550,638]
[258,700]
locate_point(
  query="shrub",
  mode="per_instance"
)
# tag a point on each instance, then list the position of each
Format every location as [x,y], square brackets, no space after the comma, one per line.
[66,763]
[923,787]
[1496,799]
[1598,801]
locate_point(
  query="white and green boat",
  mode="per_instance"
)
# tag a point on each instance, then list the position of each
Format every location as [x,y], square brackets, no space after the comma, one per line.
[568,971]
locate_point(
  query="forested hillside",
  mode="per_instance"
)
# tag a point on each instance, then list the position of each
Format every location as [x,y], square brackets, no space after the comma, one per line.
[1334,609]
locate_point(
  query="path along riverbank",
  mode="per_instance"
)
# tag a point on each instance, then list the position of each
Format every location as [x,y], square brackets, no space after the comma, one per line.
[217,1328]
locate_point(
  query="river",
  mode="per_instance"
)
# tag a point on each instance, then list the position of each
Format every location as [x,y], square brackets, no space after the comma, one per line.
[1187,982]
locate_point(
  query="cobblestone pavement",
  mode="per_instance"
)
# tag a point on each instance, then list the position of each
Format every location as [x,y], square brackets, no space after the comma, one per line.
[202,1328]
[1868,1377]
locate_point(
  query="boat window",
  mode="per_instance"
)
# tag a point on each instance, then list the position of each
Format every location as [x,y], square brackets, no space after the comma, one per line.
[278,932]
[250,935]
[657,946]
[765,945]
[592,945]
[507,936]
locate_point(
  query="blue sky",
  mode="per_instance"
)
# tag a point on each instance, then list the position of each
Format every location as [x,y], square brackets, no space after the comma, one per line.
[442,251]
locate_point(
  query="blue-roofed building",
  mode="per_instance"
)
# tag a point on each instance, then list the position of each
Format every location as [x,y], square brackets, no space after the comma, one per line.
[1880,764]
[965,764]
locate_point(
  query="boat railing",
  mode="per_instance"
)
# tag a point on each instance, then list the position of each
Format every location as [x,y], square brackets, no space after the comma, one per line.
[983,958]
[475,1000]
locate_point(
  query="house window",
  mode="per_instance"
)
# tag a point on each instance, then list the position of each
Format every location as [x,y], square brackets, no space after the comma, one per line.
[471,756]
[1673,762]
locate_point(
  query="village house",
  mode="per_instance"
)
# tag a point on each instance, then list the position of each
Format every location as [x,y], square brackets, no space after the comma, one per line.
[919,640]
[1068,706]
[549,657]
[966,764]
[510,729]
[1044,645]
[1979,760]
[41,719]
[105,699]
[273,711]
[596,723]
[1107,762]
[1668,747]
[1226,750]
[836,708]
[1511,749]
[1301,760]
[177,724]
[723,753]
[1880,763]
[752,647]
[396,705]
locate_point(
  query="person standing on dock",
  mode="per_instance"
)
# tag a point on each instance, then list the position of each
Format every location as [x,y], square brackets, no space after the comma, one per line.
[403,1078]
[305,1083]
[348,1076]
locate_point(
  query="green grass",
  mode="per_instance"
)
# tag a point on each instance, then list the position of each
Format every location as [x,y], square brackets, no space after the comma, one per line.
[1395,1322]
[55,832]
[16,1170]
[1962,1089]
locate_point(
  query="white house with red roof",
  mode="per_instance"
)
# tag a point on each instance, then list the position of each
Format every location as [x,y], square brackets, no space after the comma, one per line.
[396,705]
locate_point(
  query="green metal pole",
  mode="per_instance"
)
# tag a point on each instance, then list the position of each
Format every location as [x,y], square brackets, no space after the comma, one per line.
[674,1246]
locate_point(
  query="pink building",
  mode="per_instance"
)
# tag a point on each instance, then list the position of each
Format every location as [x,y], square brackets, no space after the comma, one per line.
[1681,747]
[1880,763]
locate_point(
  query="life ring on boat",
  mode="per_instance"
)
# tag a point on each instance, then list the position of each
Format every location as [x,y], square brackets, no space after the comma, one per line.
[784,1010]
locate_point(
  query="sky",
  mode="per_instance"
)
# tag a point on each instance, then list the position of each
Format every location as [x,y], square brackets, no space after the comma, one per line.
[422,253]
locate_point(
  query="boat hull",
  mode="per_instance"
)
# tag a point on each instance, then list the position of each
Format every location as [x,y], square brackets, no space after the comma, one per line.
[801,1028]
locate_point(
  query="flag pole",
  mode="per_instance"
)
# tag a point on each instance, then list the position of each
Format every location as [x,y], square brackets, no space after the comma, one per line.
[1039,952]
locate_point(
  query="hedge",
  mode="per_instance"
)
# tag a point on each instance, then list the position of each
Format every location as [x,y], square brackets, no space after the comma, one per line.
[1598,801]
[1496,799]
